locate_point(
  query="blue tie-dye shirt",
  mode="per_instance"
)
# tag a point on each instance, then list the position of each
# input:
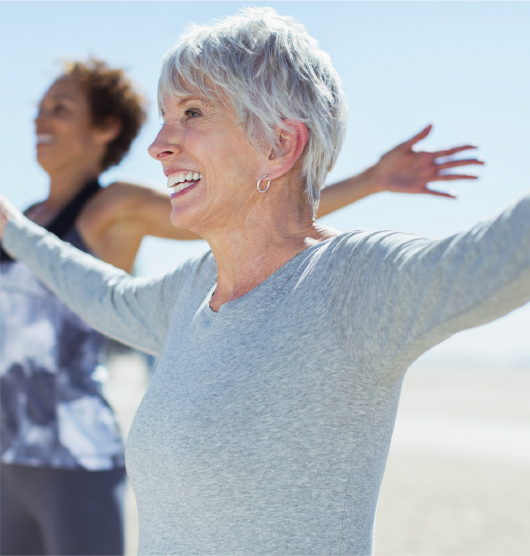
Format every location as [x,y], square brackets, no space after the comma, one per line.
[53,413]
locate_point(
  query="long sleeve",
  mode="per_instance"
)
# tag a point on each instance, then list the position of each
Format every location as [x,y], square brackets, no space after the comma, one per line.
[135,311]
[407,293]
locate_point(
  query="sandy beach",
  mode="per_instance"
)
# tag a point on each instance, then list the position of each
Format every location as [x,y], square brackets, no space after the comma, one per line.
[457,479]
[458,475]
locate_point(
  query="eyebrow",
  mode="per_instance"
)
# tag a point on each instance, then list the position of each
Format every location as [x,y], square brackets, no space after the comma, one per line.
[190,98]
[63,95]
[184,100]
[205,101]
[59,96]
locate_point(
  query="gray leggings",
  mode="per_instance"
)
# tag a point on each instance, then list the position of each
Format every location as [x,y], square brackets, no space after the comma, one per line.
[61,512]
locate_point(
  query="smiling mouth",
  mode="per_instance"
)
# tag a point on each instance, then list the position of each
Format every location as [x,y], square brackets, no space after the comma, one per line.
[182,180]
[45,139]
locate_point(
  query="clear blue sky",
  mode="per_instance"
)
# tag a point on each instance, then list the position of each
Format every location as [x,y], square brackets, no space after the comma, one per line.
[464,66]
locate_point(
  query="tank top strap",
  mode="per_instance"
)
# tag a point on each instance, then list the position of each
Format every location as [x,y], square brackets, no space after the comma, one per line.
[64,221]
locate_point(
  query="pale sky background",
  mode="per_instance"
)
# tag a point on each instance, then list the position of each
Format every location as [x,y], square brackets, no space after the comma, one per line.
[463,66]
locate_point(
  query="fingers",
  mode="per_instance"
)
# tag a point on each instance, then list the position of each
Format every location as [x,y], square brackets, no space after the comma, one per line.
[452,177]
[421,135]
[440,193]
[454,150]
[455,163]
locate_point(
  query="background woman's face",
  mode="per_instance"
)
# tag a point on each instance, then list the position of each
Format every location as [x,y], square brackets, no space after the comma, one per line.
[204,137]
[63,125]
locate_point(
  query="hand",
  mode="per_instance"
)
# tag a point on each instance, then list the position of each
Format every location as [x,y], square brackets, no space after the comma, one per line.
[406,170]
[7,212]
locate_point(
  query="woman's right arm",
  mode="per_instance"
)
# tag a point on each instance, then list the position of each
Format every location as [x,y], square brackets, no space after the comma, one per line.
[135,311]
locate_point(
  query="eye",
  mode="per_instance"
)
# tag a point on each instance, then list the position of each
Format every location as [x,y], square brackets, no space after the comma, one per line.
[50,110]
[192,113]
[59,107]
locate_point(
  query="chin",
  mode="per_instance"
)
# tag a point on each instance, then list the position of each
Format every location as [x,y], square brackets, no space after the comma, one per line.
[44,163]
[196,215]
[182,219]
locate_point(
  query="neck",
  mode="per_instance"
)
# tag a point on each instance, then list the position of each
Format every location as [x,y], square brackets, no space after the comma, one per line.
[254,246]
[65,184]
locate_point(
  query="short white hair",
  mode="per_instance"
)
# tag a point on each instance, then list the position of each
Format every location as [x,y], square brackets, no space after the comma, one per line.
[271,70]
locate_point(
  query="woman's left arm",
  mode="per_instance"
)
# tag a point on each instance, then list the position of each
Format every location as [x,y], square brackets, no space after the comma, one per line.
[401,170]
[397,295]
[435,288]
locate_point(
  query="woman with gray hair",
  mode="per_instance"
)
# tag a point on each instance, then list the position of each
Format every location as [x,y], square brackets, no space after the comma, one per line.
[266,426]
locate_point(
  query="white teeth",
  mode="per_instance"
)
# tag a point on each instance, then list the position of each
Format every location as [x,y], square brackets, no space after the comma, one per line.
[182,177]
[45,139]
[181,186]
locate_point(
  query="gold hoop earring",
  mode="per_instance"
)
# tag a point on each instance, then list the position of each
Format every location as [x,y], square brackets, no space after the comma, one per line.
[259,182]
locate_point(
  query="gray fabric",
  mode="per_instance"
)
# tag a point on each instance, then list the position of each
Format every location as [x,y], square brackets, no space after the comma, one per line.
[265,428]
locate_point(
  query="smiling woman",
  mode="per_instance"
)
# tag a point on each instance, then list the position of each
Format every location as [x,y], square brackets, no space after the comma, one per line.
[204,137]
[64,126]
[88,111]
[62,455]
[266,426]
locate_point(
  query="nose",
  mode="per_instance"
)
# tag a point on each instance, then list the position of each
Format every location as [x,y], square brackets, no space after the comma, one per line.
[163,146]
[39,117]
[43,117]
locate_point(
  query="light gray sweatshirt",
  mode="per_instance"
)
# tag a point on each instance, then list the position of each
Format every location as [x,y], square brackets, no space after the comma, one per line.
[266,427]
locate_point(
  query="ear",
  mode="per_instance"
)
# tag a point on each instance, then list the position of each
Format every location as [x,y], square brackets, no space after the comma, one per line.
[291,141]
[109,130]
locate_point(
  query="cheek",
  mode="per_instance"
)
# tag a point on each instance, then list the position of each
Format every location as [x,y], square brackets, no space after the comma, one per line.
[76,127]
[226,158]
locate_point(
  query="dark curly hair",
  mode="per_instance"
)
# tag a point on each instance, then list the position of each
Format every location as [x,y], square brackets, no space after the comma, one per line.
[110,95]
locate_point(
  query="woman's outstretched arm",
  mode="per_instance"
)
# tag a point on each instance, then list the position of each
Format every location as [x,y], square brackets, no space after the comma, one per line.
[403,169]
[108,299]
[412,292]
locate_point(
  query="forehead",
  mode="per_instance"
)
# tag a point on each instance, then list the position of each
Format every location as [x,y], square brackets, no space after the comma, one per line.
[66,88]
[179,91]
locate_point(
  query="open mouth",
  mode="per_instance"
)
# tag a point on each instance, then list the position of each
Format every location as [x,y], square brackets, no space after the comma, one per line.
[45,139]
[182,180]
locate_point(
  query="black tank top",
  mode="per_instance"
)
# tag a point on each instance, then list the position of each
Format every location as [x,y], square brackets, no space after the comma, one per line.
[65,220]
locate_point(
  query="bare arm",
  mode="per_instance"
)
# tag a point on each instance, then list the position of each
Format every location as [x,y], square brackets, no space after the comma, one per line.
[146,211]
[403,169]
[150,210]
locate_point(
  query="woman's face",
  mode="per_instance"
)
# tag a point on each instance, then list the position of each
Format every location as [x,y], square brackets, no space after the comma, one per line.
[65,134]
[209,163]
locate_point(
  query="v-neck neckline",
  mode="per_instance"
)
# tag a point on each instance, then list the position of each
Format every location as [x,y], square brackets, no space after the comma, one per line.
[229,306]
